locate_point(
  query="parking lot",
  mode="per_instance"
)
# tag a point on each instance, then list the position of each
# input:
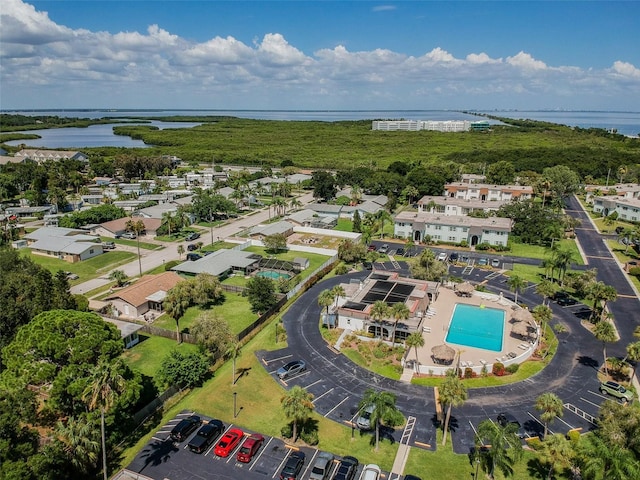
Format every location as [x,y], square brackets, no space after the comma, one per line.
[164,459]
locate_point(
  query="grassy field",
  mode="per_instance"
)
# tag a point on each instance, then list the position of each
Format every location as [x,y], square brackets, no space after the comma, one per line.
[540,252]
[235,309]
[147,356]
[624,254]
[315,260]
[344,225]
[87,269]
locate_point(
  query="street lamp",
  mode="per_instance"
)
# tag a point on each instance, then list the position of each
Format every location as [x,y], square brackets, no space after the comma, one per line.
[475,477]
[235,412]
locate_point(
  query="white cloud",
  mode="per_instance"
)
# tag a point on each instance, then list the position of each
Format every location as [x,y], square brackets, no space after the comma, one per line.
[46,62]
[383,8]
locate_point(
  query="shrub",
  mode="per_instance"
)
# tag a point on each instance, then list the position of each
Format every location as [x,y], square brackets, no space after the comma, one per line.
[498,369]
[469,373]
[464,243]
[287,431]
[342,269]
[635,271]
[310,438]
[513,368]
[484,372]
[169,265]
[483,246]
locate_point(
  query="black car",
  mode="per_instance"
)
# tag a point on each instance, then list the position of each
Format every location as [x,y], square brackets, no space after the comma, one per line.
[192,257]
[293,466]
[346,469]
[400,252]
[192,236]
[566,301]
[205,436]
[185,427]
[505,419]
[453,257]
[367,265]
[192,247]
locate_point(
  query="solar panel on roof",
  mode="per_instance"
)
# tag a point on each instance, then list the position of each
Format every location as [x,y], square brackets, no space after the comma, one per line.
[355,306]
[402,289]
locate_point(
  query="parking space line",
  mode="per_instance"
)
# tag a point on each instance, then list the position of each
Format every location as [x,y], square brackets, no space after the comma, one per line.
[597,394]
[309,465]
[159,439]
[276,359]
[330,411]
[309,386]
[325,393]
[571,427]
[264,449]
[590,403]
[536,419]
[282,462]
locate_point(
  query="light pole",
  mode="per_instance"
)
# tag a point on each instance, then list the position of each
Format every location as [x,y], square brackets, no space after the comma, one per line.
[475,477]
[235,414]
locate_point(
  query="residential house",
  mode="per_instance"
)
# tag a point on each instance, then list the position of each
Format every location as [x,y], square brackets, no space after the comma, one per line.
[66,244]
[222,263]
[310,218]
[115,228]
[6,159]
[144,298]
[452,229]
[128,331]
[627,208]
[282,227]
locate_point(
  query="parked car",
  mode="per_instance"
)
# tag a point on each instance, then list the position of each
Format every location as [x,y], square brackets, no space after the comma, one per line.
[367,265]
[495,262]
[364,419]
[371,248]
[249,447]
[228,442]
[129,235]
[205,436]
[454,257]
[184,428]
[506,418]
[566,301]
[192,257]
[442,256]
[464,258]
[192,247]
[400,252]
[616,390]
[371,472]
[290,369]
[192,236]
[292,468]
[71,276]
[322,466]
[108,245]
[384,249]
[346,469]
[483,261]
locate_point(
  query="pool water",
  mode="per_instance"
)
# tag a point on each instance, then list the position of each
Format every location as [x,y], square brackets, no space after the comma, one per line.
[273,274]
[478,327]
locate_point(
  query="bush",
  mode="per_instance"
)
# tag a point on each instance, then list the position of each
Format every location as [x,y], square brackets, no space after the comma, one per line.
[484,372]
[483,246]
[310,438]
[513,368]
[342,269]
[498,369]
[635,271]
[287,431]
[469,373]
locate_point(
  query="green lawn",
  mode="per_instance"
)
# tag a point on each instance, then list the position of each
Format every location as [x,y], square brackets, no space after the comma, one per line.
[133,243]
[540,252]
[147,356]
[344,225]
[624,254]
[315,260]
[235,309]
[86,269]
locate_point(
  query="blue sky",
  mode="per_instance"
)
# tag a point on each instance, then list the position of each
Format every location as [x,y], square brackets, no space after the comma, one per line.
[320,55]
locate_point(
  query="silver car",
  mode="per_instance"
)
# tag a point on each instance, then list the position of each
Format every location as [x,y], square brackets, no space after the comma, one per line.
[322,466]
[364,419]
[290,369]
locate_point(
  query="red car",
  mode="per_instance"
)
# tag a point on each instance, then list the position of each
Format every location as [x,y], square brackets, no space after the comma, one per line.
[249,448]
[228,442]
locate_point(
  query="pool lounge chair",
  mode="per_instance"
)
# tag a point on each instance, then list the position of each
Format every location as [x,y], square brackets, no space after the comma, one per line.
[483,362]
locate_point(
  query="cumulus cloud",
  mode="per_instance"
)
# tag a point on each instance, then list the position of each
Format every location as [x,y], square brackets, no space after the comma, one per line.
[42,60]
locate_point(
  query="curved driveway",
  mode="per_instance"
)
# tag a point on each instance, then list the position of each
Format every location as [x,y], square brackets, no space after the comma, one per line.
[338,384]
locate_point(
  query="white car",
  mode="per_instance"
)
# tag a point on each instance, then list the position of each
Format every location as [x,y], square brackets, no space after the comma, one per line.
[371,472]
[442,256]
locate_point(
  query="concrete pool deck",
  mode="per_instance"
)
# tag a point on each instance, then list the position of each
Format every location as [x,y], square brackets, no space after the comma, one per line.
[435,333]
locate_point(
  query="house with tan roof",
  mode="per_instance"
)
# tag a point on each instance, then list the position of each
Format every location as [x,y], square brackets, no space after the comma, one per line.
[116,228]
[144,298]
[42,156]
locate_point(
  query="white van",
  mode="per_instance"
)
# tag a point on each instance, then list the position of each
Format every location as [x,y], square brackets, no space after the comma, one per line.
[371,472]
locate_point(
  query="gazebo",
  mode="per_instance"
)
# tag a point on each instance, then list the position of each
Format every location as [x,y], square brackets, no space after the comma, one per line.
[523,315]
[443,354]
[464,289]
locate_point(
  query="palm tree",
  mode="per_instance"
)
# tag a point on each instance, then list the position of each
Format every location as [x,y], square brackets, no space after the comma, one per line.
[633,354]
[545,289]
[233,351]
[337,292]
[550,406]
[168,219]
[600,293]
[399,311]
[516,284]
[453,393]
[105,384]
[297,405]
[503,447]
[119,277]
[176,303]
[415,340]
[356,194]
[325,299]
[380,216]
[294,203]
[181,249]
[79,443]
[379,310]
[543,315]
[561,260]
[136,226]
[607,460]
[384,410]
[556,451]
[604,332]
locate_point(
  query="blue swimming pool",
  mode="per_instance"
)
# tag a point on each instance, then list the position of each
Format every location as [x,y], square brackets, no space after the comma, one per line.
[272,274]
[478,327]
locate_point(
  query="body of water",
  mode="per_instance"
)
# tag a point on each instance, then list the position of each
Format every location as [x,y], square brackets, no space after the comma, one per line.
[92,136]
[626,123]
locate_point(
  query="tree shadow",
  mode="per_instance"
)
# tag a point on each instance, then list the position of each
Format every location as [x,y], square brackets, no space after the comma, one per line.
[537,469]
[157,453]
[241,372]
[588,362]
